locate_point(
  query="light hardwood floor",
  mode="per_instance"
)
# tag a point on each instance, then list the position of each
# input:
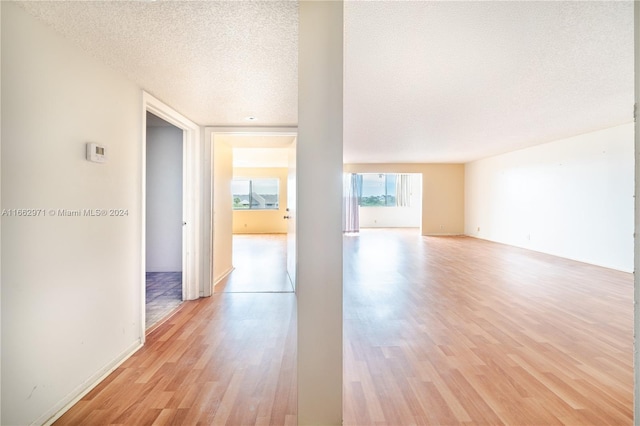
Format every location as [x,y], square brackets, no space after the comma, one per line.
[438,331]
[260,262]
[463,331]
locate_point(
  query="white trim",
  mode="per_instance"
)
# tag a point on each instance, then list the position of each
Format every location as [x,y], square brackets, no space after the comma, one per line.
[207,215]
[210,133]
[87,386]
[191,270]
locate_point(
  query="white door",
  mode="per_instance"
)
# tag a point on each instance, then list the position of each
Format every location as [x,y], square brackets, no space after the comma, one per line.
[291,216]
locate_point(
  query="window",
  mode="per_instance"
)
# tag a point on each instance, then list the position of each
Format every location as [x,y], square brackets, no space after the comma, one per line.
[378,190]
[255,194]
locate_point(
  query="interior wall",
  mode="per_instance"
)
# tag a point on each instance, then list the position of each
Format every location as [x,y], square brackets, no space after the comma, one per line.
[71,299]
[262,221]
[396,217]
[222,210]
[442,193]
[571,198]
[164,199]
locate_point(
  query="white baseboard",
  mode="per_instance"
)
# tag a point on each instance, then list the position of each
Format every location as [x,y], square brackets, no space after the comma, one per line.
[84,388]
[223,276]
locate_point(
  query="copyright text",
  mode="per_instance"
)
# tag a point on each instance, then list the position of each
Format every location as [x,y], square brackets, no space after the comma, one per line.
[65,212]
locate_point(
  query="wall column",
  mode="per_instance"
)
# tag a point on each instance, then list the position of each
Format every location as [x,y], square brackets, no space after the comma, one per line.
[319,213]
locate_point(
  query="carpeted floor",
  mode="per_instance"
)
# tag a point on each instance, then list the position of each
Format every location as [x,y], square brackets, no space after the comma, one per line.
[164,294]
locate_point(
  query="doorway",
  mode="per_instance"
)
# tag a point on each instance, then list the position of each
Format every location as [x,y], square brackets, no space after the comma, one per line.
[259,191]
[252,222]
[164,219]
[192,238]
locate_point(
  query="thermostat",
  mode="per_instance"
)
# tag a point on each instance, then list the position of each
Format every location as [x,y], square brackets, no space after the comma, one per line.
[96,153]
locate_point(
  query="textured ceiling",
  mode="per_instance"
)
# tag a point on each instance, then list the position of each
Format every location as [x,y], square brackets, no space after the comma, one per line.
[424,81]
[215,62]
[456,81]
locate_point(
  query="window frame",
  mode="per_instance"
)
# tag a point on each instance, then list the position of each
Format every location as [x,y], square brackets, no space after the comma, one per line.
[386,194]
[250,207]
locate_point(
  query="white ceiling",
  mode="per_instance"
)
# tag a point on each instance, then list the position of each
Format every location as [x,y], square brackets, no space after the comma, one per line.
[424,81]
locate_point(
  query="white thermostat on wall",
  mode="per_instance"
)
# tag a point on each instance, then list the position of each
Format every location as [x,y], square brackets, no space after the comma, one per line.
[96,153]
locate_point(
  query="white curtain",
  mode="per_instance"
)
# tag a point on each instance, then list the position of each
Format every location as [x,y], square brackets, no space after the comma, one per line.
[403,190]
[352,191]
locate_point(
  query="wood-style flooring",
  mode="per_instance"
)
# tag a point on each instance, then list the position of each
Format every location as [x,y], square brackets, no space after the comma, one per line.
[439,331]
[260,265]
[450,331]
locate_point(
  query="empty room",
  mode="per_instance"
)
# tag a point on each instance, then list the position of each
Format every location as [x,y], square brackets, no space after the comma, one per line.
[454,204]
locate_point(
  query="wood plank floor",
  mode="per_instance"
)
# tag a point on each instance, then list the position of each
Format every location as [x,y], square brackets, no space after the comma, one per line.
[463,331]
[260,262]
[438,331]
[228,359]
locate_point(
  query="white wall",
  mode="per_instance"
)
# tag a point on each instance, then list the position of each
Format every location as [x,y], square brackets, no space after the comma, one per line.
[396,217]
[71,290]
[571,198]
[164,199]
[222,209]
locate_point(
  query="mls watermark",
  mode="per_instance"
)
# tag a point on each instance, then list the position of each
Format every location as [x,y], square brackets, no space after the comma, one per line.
[64,212]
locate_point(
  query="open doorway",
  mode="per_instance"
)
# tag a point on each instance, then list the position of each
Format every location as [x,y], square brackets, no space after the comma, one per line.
[259,193]
[164,219]
[252,218]
[193,240]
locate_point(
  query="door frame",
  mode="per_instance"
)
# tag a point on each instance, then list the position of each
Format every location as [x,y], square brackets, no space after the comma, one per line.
[210,133]
[292,212]
[191,146]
